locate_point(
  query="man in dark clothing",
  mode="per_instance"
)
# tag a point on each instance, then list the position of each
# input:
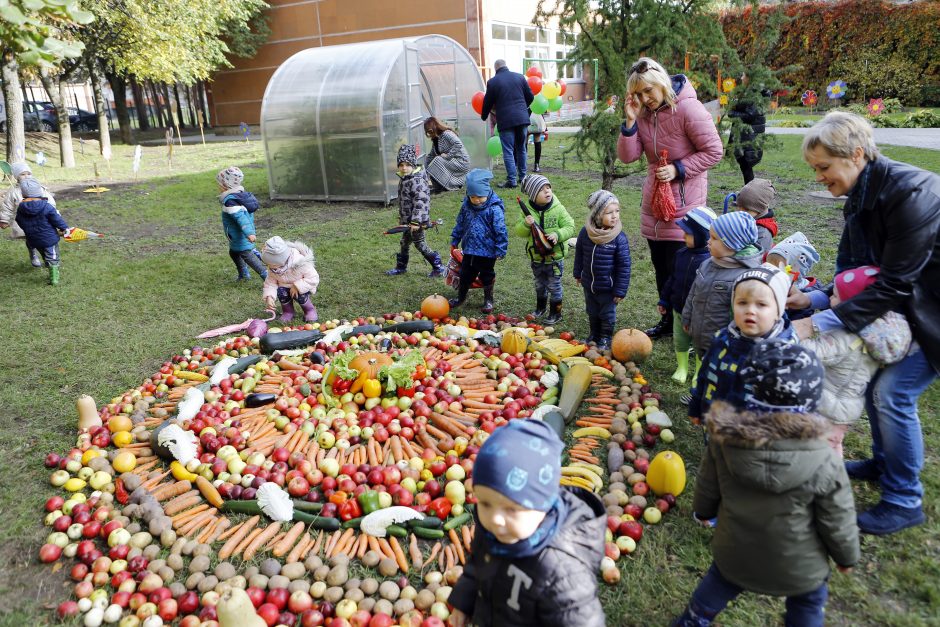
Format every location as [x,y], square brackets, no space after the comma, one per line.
[508,96]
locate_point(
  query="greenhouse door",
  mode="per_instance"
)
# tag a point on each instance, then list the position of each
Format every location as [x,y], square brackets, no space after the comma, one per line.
[414,89]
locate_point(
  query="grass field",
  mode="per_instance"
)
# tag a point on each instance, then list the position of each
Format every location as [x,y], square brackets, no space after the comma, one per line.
[162,276]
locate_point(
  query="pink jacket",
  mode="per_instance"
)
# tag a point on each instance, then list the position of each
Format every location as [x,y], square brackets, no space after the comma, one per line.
[689,135]
[299,273]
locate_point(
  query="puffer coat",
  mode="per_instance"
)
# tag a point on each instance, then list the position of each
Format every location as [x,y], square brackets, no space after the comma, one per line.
[238,220]
[481,230]
[414,199]
[299,272]
[11,200]
[40,222]
[677,287]
[554,220]
[603,268]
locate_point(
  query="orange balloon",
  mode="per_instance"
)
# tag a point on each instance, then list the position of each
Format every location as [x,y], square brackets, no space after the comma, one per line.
[477,102]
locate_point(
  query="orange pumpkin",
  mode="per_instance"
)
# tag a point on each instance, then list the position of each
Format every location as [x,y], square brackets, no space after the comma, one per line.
[435,307]
[370,363]
[631,345]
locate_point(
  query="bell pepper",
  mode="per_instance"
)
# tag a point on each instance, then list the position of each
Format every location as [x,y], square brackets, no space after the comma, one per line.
[341,386]
[349,510]
[420,372]
[359,382]
[369,501]
[440,507]
[338,498]
[120,492]
[409,392]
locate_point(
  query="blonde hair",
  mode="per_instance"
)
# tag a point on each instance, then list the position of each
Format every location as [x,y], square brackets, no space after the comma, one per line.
[840,133]
[655,75]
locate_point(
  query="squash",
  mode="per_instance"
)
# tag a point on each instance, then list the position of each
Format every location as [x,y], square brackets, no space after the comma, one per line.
[413,326]
[88,417]
[666,474]
[631,345]
[287,340]
[369,364]
[236,610]
[575,384]
[435,307]
[363,329]
[514,341]
[556,421]
[244,363]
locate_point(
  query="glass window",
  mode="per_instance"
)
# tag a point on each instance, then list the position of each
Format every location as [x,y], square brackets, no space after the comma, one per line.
[499,31]
[530,35]
[514,33]
[543,36]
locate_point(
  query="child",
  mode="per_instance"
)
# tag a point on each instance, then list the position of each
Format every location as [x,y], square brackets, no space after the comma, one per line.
[414,211]
[696,225]
[781,494]
[758,300]
[538,131]
[481,229]
[41,224]
[797,253]
[538,547]
[733,248]
[602,265]
[11,202]
[851,359]
[292,277]
[558,225]
[756,198]
[238,221]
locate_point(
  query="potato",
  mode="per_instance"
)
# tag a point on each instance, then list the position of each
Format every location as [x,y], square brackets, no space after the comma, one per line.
[610,499]
[151,551]
[318,589]
[298,584]
[202,549]
[208,583]
[294,571]
[250,571]
[321,573]
[131,511]
[225,571]
[168,537]
[177,548]
[141,539]
[337,575]
[167,574]
[388,567]
[383,607]
[369,586]
[189,547]
[614,510]
[424,600]
[156,565]
[354,595]
[408,592]
[340,559]
[616,486]
[389,590]
[403,605]
[616,477]
[199,564]
[367,604]
[334,594]
[313,562]
[258,581]
[193,580]
[159,524]
[639,501]
[270,567]
[278,581]
[177,589]
[351,583]
[131,481]
[371,559]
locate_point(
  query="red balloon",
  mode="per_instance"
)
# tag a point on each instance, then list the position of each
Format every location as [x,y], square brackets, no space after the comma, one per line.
[534,71]
[535,84]
[564,86]
[477,102]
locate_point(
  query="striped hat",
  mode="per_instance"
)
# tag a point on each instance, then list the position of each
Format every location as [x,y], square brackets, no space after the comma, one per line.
[696,223]
[532,184]
[736,230]
[598,201]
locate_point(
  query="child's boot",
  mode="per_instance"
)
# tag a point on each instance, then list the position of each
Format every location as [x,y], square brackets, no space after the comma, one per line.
[34,257]
[461,297]
[437,266]
[682,372]
[401,265]
[594,334]
[541,303]
[53,275]
[287,311]
[554,314]
[310,311]
[606,332]
[487,299]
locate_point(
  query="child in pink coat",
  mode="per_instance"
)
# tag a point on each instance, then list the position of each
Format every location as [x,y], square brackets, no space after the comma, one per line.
[292,276]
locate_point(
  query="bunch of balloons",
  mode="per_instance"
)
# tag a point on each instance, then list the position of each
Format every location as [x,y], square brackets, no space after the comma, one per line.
[548,95]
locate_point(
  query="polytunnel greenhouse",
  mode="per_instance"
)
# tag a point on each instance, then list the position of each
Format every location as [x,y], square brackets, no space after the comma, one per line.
[333,118]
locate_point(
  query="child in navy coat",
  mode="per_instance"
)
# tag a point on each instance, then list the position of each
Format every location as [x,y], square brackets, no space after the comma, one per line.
[238,221]
[41,224]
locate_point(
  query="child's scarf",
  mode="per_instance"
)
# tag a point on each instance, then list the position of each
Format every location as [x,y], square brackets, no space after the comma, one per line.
[602,236]
[538,541]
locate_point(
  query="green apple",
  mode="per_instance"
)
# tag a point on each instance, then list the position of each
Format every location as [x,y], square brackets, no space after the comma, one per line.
[456,493]
[388,402]
[354,431]
[652,515]
[456,473]
[626,544]
[385,500]
[236,465]
[404,402]
[359,398]
[99,480]
[346,398]
[667,436]
[409,484]
[330,466]
[372,402]
[318,412]
[326,440]
[367,433]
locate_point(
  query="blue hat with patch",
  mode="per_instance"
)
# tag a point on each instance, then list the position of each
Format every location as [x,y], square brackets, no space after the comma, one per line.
[478,182]
[522,461]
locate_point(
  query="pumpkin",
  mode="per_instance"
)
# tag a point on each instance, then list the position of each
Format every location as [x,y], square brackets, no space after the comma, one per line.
[666,474]
[514,341]
[631,345]
[435,307]
[369,364]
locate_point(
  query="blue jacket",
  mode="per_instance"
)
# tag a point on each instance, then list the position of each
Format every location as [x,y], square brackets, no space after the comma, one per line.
[40,222]
[718,379]
[813,286]
[679,283]
[605,268]
[238,220]
[508,93]
[482,230]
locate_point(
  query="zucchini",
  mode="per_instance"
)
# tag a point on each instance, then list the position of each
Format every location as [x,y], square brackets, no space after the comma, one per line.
[576,383]
[244,363]
[317,522]
[288,340]
[556,421]
[259,399]
[363,329]
[242,507]
[428,534]
[458,521]
[307,506]
[428,522]
[352,523]
[414,326]
[396,530]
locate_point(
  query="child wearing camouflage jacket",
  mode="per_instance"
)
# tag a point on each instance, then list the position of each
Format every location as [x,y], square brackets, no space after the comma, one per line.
[414,211]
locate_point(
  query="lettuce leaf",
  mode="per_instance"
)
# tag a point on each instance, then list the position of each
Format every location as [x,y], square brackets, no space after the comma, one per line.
[340,366]
[399,373]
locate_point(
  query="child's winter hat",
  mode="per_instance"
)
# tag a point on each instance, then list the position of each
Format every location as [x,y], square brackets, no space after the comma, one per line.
[478,182]
[532,184]
[408,154]
[230,178]
[18,169]
[276,252]
[851,283]
[736,230]
[772,277]
[522,461]
[782,376]
[598,201]
[799,255]
[757,196]
[696,223]
[31,188]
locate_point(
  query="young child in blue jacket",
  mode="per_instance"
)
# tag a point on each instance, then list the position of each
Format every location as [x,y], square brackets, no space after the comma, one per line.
[602,265]
[41,224]
[238,221]
[481,231]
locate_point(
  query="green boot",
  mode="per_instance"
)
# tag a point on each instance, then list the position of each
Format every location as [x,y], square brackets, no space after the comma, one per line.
[53,275]
[682,372]
[698,366]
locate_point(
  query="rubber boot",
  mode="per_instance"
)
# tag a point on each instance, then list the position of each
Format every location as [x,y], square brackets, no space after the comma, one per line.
[541,303]
[310,311]
[554,316]
[461,297]
[437,267]
[287,311]
[594,334]
[682,372]
[663,328]
[401,265]
[607,331]
[34,257]
[487,299]
[53,275]
[698,366]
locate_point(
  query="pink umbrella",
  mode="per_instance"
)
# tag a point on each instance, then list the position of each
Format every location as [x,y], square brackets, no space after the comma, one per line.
[260,325]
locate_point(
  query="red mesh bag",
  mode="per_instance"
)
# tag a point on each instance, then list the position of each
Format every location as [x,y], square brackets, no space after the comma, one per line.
[453,271]
[663,204]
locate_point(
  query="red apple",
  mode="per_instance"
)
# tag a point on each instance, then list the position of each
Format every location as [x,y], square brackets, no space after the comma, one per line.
[278,597]
[167,609]
[312,618]
[299,602]
[268,613]
[298,487]
[188,602]
[631,529]
[640,488]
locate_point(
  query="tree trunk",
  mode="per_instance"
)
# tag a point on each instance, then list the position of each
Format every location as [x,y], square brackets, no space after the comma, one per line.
[191,97]
[119,88]
[179,105]
[158,110]
[104,136]
[170,116]
[16,135]
[140,105]
[51,83]
[202,104]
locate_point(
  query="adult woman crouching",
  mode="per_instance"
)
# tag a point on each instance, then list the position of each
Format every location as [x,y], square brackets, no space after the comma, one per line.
[448,162]
[663,113]
[892,220]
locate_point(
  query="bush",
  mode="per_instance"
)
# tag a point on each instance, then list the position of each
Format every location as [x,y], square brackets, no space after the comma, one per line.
[922,119]
[883,121]
[784,111]
[795,124]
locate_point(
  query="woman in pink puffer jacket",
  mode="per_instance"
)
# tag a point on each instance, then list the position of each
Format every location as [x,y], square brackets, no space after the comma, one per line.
[663,113]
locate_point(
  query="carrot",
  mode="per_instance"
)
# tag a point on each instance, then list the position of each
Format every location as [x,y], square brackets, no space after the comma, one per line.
[414,551]
[444,423]
[298,550]
[318,543]
[480,405]
[274,541]
[399,554]
[396,448]
[363,545]
[306,550]
[197,522]
[220,528]
[269,532]
[171,489]
[231,531]
[448,558]
[373,543]
[284,364]
[237,537]
[332,541]
[186,497]
[386,548]
[434,551]
[452,534]
[202,537]
[184,517]
[465,533]
[284,546]
[248,540]
[209,492]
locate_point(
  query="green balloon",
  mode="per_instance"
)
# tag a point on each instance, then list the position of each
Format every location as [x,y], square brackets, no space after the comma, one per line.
[539,104]
[556,103]
[494,147]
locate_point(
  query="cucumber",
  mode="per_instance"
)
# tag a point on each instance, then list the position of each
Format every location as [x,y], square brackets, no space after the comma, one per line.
[307,506]
[428,534]
[428,522]
[257,400]
[396,530]
[352,523]
[414,326]
[242,507]
[364,329]
[244,363]
[317,522]
[458,521]
[287,340]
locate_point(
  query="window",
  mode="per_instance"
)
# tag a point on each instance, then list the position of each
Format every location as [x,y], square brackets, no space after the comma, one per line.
[514,33]
[499,31]
[543,36]
[567,70]
[530,35]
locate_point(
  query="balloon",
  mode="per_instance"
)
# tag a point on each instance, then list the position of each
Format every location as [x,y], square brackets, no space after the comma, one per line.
[494,147]
[535,84]
[539,104]
[534,71]
[477,102]
[556,103]
[563,85]
[551,90]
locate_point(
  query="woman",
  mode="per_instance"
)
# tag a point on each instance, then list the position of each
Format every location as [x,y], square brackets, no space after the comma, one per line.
[892,220]
[448,162]
[662,113]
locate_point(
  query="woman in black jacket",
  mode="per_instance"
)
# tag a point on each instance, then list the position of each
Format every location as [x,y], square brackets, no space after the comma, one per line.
[892,220]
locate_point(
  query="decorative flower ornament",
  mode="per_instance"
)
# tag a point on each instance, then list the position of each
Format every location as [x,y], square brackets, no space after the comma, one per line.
[809,98]
[836,89]
[876,106]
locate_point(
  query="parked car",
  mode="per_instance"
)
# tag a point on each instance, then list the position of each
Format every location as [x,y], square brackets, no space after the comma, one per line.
[82,121]
[30,120]
[48,121]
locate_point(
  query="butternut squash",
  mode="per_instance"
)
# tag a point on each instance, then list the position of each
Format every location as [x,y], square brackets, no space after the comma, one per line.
[576,383]
[88,417]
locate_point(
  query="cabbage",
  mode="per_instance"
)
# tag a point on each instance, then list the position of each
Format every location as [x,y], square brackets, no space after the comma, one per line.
[378,521]
[399,373]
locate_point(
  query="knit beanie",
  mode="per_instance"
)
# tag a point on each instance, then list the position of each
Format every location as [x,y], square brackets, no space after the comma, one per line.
[478,182]
[598,201]
[782,376]
[230,178]
[736,230]
[532,184]
[31,188]
[18,169]
[276,252]
[851,283]
[408,154]
[799,255]
[757,196]
[522,461]
[772,277]
[696,223]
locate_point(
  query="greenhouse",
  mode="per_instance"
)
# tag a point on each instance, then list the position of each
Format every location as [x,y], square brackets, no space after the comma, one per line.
[333,118]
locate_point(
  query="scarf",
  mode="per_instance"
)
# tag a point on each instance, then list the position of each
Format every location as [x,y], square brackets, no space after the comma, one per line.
[537,542]
[779,327]
[230,191]
[854,250]
[602,236]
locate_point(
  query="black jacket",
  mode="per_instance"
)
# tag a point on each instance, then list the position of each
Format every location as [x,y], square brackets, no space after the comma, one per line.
[509,94]
[556,587]
[40,222]
[897,222]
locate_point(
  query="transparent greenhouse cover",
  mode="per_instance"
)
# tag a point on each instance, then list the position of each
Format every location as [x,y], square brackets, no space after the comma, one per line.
[333,118]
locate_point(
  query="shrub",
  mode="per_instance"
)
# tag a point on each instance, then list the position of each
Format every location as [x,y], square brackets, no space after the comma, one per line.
[922,119]
[795,124]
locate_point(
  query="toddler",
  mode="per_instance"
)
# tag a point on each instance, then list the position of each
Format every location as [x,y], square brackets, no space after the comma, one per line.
[292,277]
[602,265]
[11,202]
[481,231]
[782,495]
[797,253]
[756,198]
[538,547]
[414,211]
[558,226]
[238,221]
[41,225]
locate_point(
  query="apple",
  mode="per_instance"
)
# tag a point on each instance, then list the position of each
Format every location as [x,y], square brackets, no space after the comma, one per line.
[188,602]
[268,613]
[652,515]
[255,594]
[313,618]
[626,544]
[381,620]
[640,488]
[278,597]
[631,529]
[299,602]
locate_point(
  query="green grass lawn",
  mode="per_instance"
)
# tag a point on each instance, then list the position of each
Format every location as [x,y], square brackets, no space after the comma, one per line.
[163,275]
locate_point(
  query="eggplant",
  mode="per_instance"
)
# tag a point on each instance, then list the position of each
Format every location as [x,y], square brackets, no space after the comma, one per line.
[259,399]
[288,340]
[413,326]
[316,357]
